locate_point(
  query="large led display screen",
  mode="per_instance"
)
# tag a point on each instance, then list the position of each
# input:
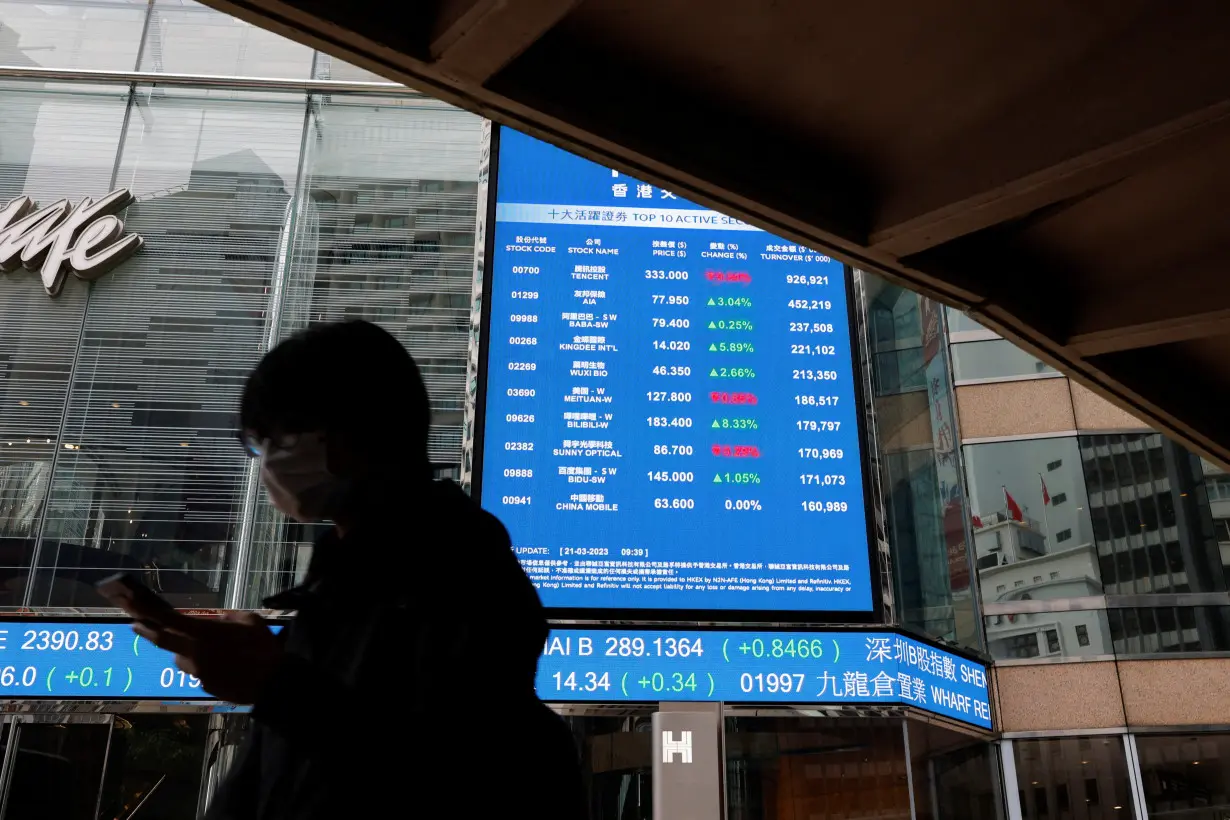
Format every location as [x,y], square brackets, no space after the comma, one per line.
[89,660]
[104,660]
[670,418]
[811,668]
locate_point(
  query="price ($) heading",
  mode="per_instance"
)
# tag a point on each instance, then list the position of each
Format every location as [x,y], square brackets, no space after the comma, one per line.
[799,668]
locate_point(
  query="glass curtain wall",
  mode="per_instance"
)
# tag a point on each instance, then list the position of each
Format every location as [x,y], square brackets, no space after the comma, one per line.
[919,462]
[1099,543]
[1161,775]
[262,210]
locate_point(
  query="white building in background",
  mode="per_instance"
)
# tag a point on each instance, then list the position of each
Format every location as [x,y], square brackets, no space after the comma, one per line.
[1014,565]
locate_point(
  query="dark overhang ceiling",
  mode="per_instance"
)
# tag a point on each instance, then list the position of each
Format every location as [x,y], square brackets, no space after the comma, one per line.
[1058,168]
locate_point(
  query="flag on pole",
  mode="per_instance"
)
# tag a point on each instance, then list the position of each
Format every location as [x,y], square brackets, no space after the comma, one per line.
[1046,497]
[1014,509]
[976,520]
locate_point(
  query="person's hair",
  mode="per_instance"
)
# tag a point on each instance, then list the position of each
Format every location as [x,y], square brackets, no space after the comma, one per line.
[349,377]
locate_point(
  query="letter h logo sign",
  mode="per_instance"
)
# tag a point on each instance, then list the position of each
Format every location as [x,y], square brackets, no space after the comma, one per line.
[681,747]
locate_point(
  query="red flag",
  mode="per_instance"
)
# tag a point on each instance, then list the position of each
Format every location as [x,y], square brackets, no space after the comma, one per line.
[1046,497]
[1014,509]
[976,520]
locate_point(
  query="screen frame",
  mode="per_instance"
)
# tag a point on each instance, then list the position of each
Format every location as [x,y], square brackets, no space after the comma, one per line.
[594,615]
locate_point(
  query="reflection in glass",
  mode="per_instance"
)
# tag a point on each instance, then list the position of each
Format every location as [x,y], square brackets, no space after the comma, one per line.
[1185,777]
[957,784]
[1078,777]
[1033,540]
[958,322]
[1119,514]
[918,464]
[38,336]
[895,331]
[328,67]
[56,769]
[616,763]
[1217,497]
[1155,528]
[154,767]
[1031,519]
[995,359]
[1025,635]
[153,480]
[1152,533]
[1155,630]
[807,767]
[185,37]
[99,35]
[384,232]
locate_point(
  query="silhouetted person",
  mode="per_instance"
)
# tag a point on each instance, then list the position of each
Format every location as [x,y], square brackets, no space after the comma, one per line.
[405,684]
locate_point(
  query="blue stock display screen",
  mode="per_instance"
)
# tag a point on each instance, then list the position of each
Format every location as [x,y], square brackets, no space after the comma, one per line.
[831,668]
[670,416]
[104,661]
[88,660]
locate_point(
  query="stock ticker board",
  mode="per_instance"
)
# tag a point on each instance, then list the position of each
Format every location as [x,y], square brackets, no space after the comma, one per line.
[88,660]
[670,416]
[98,661]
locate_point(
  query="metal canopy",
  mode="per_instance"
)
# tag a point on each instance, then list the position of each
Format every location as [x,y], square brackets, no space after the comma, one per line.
[1057,168]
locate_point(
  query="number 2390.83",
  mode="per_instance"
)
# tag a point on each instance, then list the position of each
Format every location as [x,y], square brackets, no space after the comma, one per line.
[54,640]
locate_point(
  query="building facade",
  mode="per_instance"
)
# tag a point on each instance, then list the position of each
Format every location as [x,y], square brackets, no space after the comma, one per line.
[1099,567]
[1021,517]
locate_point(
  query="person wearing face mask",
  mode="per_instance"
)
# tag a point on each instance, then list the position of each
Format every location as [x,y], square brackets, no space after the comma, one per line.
[405,682]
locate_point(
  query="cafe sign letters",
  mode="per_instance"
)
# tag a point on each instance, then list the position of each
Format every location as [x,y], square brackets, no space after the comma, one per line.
[87,239]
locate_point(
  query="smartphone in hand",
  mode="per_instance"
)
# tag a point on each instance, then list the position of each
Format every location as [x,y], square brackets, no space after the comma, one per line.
[142,603]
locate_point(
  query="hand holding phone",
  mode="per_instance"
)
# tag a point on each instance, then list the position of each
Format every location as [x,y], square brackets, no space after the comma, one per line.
[142,603]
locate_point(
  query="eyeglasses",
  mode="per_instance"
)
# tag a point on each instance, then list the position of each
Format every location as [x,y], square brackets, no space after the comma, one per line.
[257,447]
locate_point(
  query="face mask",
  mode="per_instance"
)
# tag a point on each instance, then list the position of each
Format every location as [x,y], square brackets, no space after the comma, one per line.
[298,479]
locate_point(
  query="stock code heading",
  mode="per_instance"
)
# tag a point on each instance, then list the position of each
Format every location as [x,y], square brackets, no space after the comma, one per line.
[670,418]
[93,661]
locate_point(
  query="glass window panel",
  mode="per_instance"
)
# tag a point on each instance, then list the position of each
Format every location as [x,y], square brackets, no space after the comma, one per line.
[52,145]
[927,518]
[388,235]
[1155,514]
[155,480]
[1054,542]
[1120,632]
[1031,545]
[808,767]
[958,322]
[893,316]
[189,38]
[155,761]
[1182,629]
[996,359]
[958,785]
[1091,770]
[328,67]
[899,371]
[103,35]
[385,233]
[1030,634]
[56,769]
[1185,775]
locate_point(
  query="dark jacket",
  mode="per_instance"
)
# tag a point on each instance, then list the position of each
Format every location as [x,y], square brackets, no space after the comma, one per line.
[408,683]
